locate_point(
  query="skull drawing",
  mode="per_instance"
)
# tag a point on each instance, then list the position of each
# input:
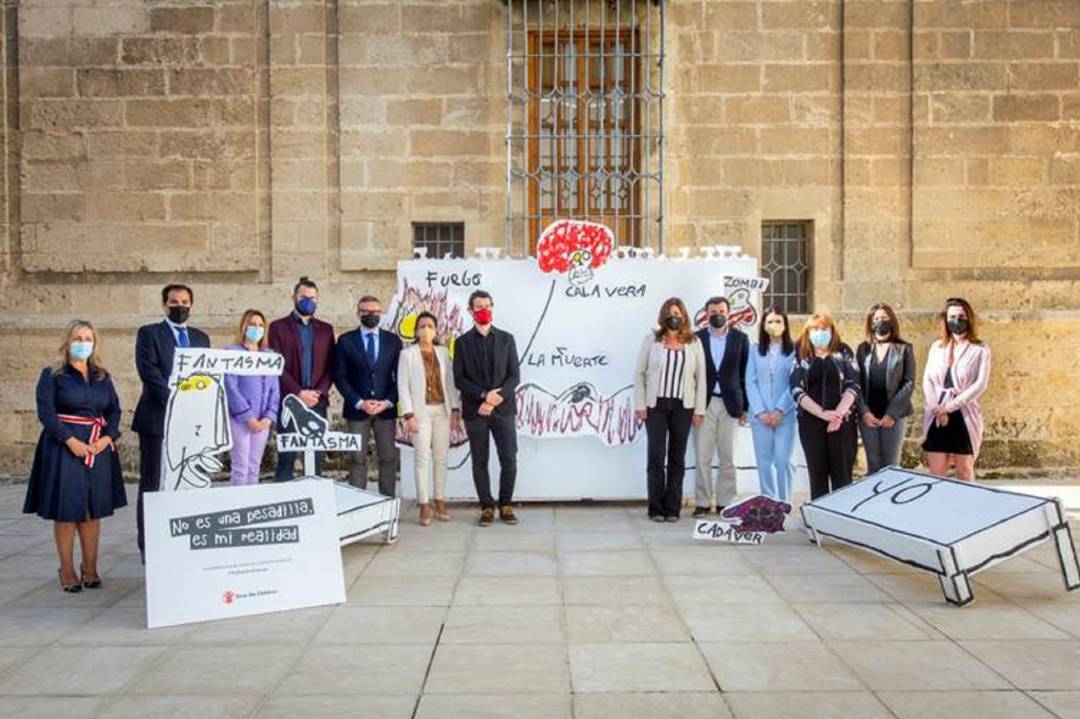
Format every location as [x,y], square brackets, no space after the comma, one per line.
[580,270]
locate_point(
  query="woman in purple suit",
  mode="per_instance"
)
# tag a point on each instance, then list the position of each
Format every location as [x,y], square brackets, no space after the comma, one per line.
[253,404]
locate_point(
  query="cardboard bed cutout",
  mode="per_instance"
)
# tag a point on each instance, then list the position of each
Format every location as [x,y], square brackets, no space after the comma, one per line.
[360,513]
[950,528]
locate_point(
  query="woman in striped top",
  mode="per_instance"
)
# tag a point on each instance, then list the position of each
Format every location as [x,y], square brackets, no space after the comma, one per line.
[669,397]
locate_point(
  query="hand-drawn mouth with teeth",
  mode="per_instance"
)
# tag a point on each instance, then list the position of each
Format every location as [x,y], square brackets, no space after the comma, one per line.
[297,416]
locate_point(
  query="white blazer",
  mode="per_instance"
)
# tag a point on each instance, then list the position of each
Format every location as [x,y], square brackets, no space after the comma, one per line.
[412,382]
[650,367]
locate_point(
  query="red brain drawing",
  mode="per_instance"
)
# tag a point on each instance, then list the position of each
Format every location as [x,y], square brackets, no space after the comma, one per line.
[563,237]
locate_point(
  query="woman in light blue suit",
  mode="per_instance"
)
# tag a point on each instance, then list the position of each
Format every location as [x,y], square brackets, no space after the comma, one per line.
[772,408]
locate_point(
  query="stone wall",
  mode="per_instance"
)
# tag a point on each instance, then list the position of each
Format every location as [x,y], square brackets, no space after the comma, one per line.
[933,144]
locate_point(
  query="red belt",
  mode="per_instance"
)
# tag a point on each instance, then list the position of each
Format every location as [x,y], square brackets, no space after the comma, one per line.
[95,434]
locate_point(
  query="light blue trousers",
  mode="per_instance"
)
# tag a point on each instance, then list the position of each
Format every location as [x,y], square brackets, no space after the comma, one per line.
[772,450]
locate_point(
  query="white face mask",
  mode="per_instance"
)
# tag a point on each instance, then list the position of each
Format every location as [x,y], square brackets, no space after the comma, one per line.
[81,351]
[821,338]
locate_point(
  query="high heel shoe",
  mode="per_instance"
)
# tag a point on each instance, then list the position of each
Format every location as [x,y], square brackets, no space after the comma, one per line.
[94,583]
[69,588]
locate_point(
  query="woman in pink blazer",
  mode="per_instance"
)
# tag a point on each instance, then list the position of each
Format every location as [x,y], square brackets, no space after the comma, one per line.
[957,373]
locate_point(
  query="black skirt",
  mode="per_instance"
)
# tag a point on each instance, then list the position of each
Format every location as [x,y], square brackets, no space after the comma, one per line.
[951,439]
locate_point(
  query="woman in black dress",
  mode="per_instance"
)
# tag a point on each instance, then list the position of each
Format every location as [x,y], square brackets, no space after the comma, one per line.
[76,479]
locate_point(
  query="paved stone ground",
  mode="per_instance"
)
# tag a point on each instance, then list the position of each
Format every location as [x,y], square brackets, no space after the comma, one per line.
[580,611]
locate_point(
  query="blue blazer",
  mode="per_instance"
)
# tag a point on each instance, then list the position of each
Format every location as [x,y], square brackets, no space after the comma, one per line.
[732,369]
[358,380]
[154,347]
[757,385]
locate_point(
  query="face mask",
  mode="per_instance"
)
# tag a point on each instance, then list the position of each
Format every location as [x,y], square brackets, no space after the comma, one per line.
[821,338]
[306,306]
[673,323]
[426,334]
[179,315]
[882,328]
[81,351]
[774,329]
[253,333]
[369,320]
[959,326]
[718,321]
[483,316]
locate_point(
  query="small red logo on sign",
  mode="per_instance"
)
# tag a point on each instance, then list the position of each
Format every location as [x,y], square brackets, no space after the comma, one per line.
[228,596]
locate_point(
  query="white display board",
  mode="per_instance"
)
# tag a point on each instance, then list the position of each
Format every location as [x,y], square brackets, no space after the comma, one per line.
[578,331]
[234,551]
[944,526]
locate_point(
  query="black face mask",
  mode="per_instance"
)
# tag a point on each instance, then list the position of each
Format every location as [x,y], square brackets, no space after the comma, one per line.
[673,323]
[717,321]
[882,328]
[179,315]
[959,326]
[370,320]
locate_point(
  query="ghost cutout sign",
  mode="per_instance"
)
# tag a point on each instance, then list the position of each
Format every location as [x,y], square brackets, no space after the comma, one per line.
[197,430]
[745,522]
[198,422]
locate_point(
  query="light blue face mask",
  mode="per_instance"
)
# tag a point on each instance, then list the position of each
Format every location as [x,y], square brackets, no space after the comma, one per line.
[821,338]
[81,351]
[253,333]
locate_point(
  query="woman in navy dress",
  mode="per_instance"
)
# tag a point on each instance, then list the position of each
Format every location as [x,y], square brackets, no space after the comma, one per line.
[76,479]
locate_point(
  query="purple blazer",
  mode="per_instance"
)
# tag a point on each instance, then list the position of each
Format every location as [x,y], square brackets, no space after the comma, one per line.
[256,397]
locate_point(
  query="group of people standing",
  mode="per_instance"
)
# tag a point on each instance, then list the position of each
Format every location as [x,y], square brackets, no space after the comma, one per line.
[712,380]
[715,380]
[76,478]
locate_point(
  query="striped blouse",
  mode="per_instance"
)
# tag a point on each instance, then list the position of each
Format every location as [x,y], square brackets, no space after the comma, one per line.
[671,381]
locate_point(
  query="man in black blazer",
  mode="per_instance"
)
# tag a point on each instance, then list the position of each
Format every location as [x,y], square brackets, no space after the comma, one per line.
[365,372]
[727,351]
[154,347]
[487,374]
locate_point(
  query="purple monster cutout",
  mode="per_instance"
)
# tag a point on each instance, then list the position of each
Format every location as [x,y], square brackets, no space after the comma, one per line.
[758,514]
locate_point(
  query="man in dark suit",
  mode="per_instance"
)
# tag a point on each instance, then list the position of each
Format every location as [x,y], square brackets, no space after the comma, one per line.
[726,353]
[365,373]
[154,347]
[307,344]
[487,375]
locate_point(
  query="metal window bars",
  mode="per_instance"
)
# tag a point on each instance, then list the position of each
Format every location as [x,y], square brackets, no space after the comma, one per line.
[585,122]
[785,261]
[438,240]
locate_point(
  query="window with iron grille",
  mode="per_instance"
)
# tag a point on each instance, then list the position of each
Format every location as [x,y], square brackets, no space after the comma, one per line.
[440,238]
[785,261]
[585,122]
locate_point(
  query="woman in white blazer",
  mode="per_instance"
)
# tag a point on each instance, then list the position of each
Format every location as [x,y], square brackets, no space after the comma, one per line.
[669,396]
[430,405]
